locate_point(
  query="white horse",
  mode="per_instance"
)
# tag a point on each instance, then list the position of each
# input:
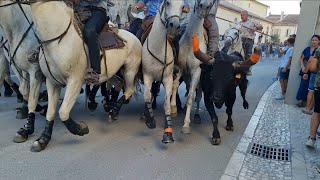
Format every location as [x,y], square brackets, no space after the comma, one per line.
[158,61]
[232,39]
[65,63]
[22,45]
[189,64]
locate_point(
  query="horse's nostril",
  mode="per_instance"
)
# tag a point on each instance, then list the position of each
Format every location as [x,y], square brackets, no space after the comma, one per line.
[178,27]
[171,24]
[201,5]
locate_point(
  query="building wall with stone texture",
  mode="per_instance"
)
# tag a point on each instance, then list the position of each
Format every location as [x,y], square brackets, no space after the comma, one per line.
[251,6]
[284,31]
[120,9]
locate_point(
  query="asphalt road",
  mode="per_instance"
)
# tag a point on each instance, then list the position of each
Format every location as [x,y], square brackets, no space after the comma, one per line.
[127,149]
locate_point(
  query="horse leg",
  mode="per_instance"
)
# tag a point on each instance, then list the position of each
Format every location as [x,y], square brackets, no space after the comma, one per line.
[129,77]
[70,97]
[176,83]
[155,91]
[113,112]
[194,83]
[92,104]
[23,133]
[53,99]
[197,118]
[149,117]
[105,92]
[230,98]
[168,130]
[215,140]
[22,112]
[5,76]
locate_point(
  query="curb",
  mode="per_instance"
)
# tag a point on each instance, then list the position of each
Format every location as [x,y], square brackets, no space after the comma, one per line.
[234,166]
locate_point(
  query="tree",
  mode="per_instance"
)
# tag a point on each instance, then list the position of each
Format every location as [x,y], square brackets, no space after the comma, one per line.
[275,38]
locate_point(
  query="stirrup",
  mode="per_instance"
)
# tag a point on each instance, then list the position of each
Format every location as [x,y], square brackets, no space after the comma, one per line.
[91,77]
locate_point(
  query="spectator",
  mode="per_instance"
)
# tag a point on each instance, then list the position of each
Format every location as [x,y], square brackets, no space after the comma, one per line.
[126,25]
[313,65]
[311,75]
[285,69]
[304,84]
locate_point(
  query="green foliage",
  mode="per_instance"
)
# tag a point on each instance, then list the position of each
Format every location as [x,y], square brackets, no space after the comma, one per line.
[275,38]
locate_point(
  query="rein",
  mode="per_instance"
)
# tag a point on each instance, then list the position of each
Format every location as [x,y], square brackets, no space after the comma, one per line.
[42,43]
[164,9]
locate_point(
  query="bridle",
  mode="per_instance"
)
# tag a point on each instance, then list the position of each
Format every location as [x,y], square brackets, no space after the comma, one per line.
[198,6]
[41,43]
[164,10]
[234,38]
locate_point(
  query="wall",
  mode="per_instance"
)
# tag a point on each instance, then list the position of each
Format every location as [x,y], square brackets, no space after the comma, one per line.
[309,11]
[251,6]
[231,16]
[120,9]
[282,31]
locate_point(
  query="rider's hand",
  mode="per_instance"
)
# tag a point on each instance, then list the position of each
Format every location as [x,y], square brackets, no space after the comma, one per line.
[254,29]
[135,9]
[186,9]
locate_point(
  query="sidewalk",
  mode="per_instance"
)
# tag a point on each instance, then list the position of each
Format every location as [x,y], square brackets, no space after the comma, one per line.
[273,144]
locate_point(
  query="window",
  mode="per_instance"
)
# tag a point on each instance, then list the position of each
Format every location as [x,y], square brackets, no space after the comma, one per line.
[288,32]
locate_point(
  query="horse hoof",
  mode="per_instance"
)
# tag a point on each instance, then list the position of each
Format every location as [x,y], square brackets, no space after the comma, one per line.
[197,119]
[215,141]
[20,138]
[186,130]
[229,128]
[83,129]
[167,138]
[21,114]
[114,114]
[36,147]
[92,106]
[151,124]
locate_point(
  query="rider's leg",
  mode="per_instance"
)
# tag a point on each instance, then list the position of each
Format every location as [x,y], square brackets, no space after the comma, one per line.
[92,28]
[213,36]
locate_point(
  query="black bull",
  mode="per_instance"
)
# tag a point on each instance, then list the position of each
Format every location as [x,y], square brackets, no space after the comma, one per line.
[219,82]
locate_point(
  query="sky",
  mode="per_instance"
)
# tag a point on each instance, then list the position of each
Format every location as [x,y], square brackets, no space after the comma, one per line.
[288,7]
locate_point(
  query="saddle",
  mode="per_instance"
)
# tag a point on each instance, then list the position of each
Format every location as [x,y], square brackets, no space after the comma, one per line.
[108,37]
[146,26]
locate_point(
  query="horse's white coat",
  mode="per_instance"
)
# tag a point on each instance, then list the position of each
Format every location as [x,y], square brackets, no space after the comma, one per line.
[14,25]
[67,60]
[156,42]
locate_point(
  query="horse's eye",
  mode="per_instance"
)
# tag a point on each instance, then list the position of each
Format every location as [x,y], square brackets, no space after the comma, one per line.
[168,3]
[236,33]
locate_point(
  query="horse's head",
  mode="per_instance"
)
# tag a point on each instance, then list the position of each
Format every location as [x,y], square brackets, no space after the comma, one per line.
[231,37]
[170,14]
[202,7]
